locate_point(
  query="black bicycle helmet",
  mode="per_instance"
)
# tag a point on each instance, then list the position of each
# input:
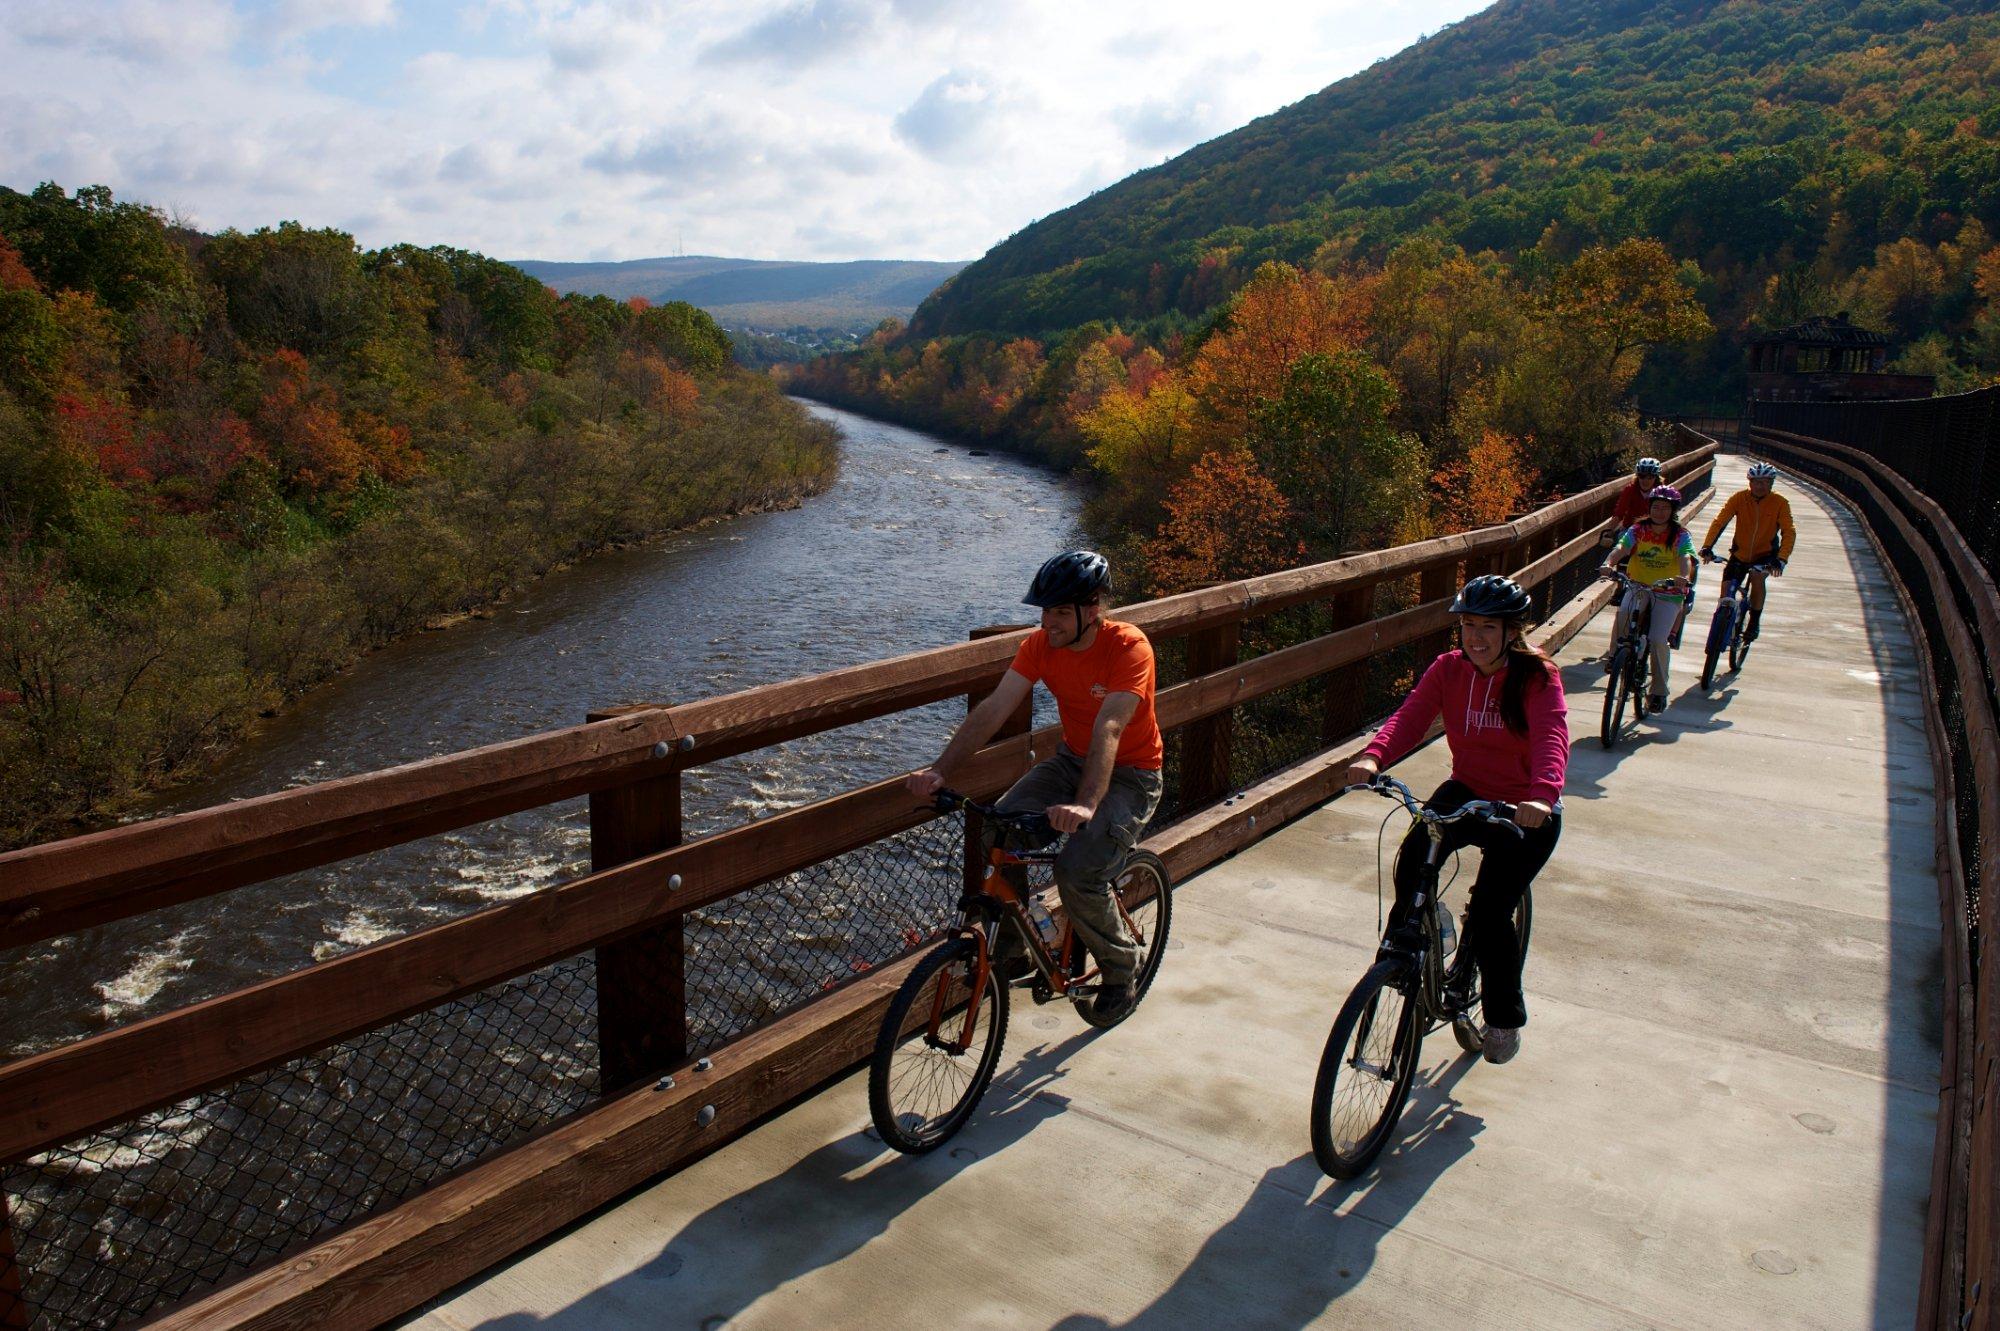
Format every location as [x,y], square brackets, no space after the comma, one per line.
[1493,596]
[1647,467]
[1075,577]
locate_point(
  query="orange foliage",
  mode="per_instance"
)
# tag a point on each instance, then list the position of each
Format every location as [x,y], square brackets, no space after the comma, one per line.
[299,419]
[1281,315]
[638,304]
[1225,520]
[1488,485]
[660,387]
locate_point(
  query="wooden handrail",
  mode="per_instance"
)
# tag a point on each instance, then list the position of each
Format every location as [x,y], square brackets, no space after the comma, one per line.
[58,1095]
[64,886]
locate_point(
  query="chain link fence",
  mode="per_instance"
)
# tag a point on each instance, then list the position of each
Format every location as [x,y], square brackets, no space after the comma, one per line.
[134,1219]
[1948,447]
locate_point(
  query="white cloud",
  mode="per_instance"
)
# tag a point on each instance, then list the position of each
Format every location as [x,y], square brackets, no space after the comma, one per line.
[828,129]
[957,112]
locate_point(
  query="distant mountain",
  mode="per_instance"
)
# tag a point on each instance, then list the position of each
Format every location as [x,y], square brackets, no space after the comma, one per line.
[756,293]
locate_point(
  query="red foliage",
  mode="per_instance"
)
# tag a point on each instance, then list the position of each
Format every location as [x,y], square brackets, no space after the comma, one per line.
[300,422]
[14,275]
[98,429]
[638,304]
[199,450]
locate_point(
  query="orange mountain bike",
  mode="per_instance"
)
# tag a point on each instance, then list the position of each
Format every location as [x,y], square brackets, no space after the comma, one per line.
[940,1041]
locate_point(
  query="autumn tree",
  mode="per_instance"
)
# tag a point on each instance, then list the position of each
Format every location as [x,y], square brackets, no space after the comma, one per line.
[1280,316]
[1489,484]
[1328,441]
[1225,520]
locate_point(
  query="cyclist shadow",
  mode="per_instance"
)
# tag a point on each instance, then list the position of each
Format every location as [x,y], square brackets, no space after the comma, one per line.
[820,1211]
[1295,1247]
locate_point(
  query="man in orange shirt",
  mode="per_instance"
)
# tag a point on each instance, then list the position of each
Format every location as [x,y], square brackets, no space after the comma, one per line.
[1763,542]
[1103,782]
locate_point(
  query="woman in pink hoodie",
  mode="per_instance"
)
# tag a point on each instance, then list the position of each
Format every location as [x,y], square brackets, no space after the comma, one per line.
[1508,727]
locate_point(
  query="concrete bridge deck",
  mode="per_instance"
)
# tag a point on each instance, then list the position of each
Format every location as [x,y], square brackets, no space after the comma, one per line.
[1722,1114]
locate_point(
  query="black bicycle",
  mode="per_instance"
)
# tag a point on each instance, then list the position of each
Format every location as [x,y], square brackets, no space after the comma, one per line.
[1631,663]
[1421,980]
[940,1039]
[1732,617]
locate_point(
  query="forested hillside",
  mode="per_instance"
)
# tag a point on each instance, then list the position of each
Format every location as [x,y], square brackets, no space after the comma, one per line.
[1448,283]
[230,463]
[1808,155]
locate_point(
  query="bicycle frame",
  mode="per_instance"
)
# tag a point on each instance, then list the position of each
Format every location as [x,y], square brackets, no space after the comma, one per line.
[997,901]
[1426,959]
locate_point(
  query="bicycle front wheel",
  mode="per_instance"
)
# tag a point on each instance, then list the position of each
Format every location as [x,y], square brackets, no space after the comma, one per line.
[1614,699]
[1718,639]
[1146,905]
[930,1068]
[1365,1073]
[1739,651]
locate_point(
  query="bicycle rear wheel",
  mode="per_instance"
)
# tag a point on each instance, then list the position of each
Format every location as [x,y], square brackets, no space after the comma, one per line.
[1719,638]
[1470,1034]
[1614,699]
[1365,1072]
[1146,903]
[1635,683]
[928,1071]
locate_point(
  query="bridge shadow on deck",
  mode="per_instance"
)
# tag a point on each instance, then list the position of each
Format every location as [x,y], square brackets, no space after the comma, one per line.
[822,1210]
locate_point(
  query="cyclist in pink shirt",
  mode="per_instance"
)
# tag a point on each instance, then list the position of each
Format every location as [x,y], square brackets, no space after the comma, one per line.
[1507,724]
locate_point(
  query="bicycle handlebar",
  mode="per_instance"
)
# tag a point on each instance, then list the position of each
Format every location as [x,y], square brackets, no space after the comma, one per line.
[1498,812]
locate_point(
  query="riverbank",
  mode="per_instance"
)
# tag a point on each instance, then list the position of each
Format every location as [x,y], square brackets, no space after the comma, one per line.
[149,694]
[913,545]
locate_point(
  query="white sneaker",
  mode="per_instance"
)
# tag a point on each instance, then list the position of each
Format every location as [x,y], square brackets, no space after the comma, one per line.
[1502,1043]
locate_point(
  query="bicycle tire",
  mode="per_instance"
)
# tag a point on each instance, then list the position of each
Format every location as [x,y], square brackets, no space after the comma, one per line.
[1147,895]
[900,1091]
[1719,638]
[1614,700]
[1341,1151]
[1739,652]
[1471,1034]
[1635,684]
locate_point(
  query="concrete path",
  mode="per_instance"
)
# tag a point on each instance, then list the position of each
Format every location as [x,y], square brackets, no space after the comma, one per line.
[1721,1117]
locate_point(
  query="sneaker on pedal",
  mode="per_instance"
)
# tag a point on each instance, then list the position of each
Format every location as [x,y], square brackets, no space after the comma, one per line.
[1750,634]
[1657,703]
[1502,1043]
[1113,1001]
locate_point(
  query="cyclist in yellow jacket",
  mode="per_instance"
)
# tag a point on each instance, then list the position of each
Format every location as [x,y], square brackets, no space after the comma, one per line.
[1763,541]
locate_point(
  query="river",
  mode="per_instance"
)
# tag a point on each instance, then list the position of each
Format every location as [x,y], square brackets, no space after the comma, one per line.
[917,542]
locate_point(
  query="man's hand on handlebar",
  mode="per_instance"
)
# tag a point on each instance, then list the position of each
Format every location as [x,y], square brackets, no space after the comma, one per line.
[925,784]
[1068,817]
[1708,555]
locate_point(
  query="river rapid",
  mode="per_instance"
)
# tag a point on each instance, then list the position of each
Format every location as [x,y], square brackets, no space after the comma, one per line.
[916,543]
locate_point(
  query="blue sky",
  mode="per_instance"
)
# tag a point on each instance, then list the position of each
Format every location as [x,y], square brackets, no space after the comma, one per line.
[617,129]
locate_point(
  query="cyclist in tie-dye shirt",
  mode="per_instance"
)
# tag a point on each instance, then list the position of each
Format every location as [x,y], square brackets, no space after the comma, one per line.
[1658,554]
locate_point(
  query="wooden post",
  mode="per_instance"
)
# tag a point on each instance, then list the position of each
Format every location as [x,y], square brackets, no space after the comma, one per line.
[13,1302]
[1433,584]
[641,979]
[1346,704]
[1020,723]
[1206,744]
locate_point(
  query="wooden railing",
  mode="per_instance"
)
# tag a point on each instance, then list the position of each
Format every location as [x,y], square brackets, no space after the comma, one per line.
[1950,596]
[644,881]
